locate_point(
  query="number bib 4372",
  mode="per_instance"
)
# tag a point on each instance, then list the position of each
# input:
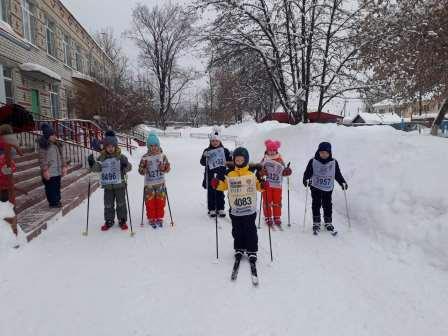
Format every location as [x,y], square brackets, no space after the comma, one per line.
[323,175]
[153,174]
[242,195]
[216,158]
[110,171]
[274,170]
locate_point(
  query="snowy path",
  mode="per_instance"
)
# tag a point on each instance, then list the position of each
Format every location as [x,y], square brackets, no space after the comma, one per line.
[165,282]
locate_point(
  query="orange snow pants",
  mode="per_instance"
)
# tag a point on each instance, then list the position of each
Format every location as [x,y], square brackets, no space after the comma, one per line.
[155,202]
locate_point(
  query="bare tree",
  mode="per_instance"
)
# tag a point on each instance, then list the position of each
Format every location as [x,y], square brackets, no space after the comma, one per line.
[162,34]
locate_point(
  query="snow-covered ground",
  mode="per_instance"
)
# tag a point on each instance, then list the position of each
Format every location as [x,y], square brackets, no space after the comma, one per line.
[387,276]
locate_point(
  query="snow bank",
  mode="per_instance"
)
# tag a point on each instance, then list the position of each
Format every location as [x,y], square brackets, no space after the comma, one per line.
[7,239]
[398,181]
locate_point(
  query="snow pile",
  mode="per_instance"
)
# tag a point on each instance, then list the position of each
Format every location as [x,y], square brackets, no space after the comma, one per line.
[397,180]
[7,239]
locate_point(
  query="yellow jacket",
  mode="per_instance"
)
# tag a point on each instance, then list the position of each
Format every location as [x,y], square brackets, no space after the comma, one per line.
[223,186]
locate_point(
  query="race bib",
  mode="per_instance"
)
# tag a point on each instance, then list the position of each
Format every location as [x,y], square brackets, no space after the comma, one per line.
[111,172]
[216,158]
[274,171]
[242,195]
[153,174]
[323,175]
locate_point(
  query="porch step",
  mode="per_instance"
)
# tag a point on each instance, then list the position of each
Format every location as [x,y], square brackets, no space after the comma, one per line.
[34,219]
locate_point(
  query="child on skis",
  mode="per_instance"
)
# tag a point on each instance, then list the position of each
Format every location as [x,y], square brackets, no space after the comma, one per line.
[274,169]
[214,159]
[242,186]
[154,165]
[53,165]
[320,175]
[113,167]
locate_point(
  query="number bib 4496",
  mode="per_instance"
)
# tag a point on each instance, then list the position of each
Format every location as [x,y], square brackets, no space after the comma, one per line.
[216,158]
[110,172]
[242,195]
[323,175]
[153,174]
[274,170]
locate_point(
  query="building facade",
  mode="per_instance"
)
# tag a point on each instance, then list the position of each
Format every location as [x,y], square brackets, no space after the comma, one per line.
[45,54]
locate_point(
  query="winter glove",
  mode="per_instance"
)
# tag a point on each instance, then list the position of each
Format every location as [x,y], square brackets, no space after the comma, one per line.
[164,167]
[6,170]
[307,183]
[214,183]
[287,171]
[344,186]
[91,160]
[123,163]
[46,174]
[263,172]
[264,185]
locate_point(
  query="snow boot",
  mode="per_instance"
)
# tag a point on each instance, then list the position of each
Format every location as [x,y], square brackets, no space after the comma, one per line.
[278,221]
[268,221]
[159,223]
[107,225]
[212,213]
[329,227]
[152,223]
[123,225]
[316,228]
[222,213]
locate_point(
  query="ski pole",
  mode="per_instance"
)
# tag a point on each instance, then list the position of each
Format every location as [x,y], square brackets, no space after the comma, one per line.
[306,203]
[169,206]
[346,207]
[216,221]
[143,206]
[129,210]
[270,243]
[289,209]
[259,215]
[86,232]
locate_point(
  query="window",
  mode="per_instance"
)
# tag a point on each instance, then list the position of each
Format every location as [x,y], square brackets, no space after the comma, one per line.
[7,76]
[4,10]
[50,37]
[29,22]
[79,59]
[54,100]
[67,50]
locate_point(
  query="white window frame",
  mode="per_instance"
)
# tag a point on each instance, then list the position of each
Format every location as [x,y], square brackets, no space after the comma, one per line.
[2,87]
[54,92]
[66,43]
[4,10]
[79,59]
[8,79]
[49,30]
[28,22]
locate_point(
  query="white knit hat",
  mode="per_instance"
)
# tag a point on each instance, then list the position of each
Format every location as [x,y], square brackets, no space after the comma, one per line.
[215,134]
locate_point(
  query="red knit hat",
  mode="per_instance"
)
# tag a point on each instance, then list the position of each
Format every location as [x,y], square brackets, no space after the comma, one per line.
[272,145]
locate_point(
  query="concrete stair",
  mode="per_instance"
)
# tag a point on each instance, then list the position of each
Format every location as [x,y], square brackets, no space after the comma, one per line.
[33,212]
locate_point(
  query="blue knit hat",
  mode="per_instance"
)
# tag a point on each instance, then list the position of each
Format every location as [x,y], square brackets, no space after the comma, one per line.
[47,130]
[324,147]
[152,139]
[110,139]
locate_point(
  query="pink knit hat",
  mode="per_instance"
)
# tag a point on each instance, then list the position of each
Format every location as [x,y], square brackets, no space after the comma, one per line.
[272,145]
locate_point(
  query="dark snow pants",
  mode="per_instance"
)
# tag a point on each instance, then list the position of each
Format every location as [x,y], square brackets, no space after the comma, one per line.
[244,232]
[322,199]
[53,190]
[215,199]
[112,196]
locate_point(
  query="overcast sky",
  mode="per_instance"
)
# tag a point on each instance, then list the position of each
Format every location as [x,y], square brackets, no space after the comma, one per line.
[117,14]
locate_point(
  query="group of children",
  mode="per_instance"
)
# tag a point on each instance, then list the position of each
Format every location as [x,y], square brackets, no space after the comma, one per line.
[223,172]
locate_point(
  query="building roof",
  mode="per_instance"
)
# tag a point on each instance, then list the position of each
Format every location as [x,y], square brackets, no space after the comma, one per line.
[378,118]
[33,67]
[386,102]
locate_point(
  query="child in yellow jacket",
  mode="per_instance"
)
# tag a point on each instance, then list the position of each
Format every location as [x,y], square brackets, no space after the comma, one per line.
[242,186]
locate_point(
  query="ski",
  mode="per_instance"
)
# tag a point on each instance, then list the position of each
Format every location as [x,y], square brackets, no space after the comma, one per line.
[253,272]
[236,267]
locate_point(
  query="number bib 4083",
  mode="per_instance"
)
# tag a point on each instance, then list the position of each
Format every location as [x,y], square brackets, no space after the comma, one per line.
[242,195]
[323,175]
[216,158]
[110,171]
[153,174]
[274,170]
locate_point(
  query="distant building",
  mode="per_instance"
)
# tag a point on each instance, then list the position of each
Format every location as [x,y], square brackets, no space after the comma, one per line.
[45,54]
[281,116]
[376,118]
[323,117]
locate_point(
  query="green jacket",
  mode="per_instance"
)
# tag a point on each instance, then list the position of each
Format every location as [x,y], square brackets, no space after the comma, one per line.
[125,167]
